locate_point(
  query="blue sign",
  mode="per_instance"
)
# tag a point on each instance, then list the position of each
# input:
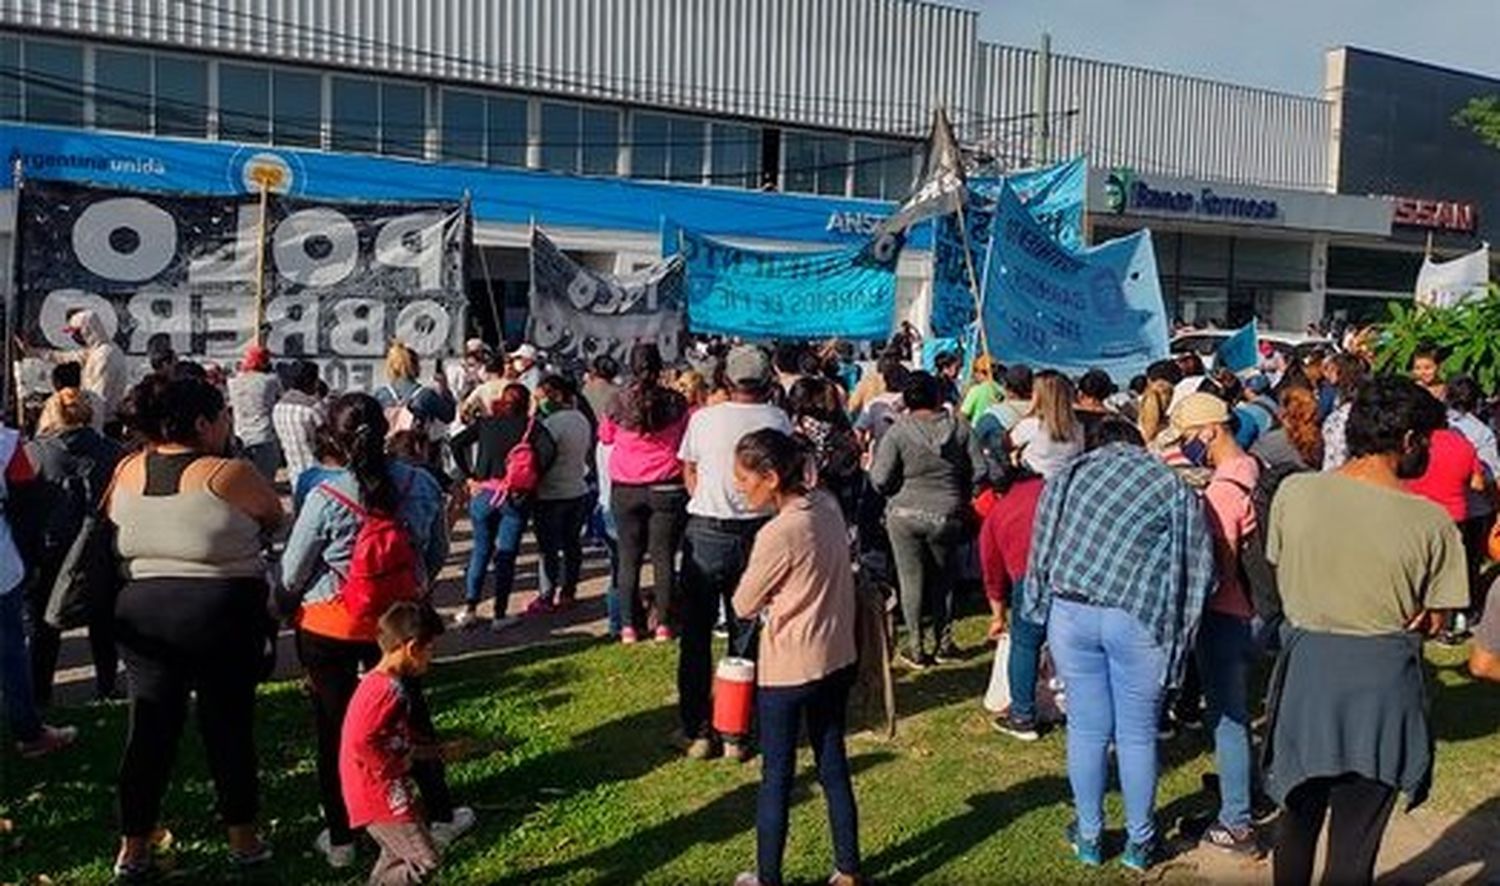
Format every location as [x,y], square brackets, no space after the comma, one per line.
[1240,352]
[843,293]
[1055,197]
[1050,306]
[1124,190]
[513,196]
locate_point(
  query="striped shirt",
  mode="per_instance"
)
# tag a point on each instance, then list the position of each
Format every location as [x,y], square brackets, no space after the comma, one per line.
[296,418]
[1118,528]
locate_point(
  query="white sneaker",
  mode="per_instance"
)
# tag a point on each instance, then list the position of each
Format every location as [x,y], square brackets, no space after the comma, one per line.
[339,857]
[502,622]
[465,618]
[445,832]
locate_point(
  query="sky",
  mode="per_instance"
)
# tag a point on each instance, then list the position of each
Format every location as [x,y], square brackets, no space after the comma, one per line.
[1273,44]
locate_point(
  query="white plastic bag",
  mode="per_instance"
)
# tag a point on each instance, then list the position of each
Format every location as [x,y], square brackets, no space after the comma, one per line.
[997,696]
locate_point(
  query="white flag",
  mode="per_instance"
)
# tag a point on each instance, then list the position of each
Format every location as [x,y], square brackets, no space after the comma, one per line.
[1452,282]
[942,187]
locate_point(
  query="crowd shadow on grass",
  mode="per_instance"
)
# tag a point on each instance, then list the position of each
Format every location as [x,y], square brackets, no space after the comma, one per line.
[942,686]
[1463,711]
[638,855]
[922,854]
[1475,838]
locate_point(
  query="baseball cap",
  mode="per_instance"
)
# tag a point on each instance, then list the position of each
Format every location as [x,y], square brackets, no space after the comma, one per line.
[524,352]
[1199,410]
[747,366]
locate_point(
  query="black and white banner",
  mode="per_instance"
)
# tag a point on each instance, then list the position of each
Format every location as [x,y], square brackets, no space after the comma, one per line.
[578,314]
[341,279]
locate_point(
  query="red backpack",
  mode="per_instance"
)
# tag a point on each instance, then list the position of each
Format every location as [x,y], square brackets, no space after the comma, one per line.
[383,568]
[522,475]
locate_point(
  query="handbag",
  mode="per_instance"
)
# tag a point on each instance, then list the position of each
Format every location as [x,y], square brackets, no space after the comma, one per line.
[88,579]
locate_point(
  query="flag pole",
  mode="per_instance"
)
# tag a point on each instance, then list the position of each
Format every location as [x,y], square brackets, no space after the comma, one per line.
[12,314]
[978,292]
[1428,254]
[260,259]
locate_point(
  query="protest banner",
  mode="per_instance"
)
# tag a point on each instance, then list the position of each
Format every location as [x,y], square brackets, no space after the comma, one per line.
[578,314]
[1050,306]
[1445,284]
[341,279]
[1055,197]
[843,293]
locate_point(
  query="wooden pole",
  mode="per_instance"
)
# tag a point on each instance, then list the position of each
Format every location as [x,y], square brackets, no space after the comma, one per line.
[260,260]
[963,230]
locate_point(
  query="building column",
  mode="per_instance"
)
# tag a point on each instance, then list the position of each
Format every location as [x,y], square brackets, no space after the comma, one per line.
[1317,280]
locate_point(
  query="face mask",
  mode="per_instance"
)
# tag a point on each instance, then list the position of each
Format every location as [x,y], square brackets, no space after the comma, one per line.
[1196,452]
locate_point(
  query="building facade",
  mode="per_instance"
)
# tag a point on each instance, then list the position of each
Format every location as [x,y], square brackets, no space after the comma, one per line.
[1397,133]
[788,123]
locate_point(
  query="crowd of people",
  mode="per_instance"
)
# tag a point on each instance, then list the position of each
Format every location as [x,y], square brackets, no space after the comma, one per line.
[1148,547]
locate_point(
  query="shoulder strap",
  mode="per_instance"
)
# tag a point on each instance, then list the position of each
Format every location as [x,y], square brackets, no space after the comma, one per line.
[343,499]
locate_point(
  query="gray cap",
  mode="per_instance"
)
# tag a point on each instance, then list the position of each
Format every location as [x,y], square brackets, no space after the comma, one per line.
[747,366]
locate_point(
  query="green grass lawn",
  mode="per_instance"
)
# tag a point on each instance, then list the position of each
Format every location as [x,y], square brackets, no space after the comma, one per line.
[585,788]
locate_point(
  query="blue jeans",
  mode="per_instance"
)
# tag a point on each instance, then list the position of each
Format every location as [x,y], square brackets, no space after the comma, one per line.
[781,711]
[15,669]
[1225,654]
[1026,639]
[497,536]
[1114,672]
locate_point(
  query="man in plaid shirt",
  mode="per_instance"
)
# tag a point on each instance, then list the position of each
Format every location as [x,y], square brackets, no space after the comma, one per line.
[1121,563]
[296,418]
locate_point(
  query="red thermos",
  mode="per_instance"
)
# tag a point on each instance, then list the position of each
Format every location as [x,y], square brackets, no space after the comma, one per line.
[734,696]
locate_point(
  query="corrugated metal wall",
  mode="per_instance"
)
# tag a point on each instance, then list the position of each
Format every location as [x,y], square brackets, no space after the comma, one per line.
[1154,121]
[875,65]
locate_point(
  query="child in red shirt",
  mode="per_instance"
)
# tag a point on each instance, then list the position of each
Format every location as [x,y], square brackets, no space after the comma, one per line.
[377,746]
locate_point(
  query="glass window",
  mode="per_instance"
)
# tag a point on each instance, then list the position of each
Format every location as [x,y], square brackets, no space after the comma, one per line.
[298,98]
[463,126]
[685,156]
[122,90]
[506,126]
[832,165]
[601,141]
[648,146]
[10,78]
[244,103]
[559,137]
[735,156]
[900,174]
[355,115]
[799,160]
[869,169]
[181,96]
[403,120]
[53,85]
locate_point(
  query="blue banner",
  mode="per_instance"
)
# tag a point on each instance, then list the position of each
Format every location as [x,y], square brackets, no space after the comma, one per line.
[843,293]
[1055,196]
[498,195]
[1072,310]
[1240,352]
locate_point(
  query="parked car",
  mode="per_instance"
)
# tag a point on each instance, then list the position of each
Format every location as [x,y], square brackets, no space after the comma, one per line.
[1290,345]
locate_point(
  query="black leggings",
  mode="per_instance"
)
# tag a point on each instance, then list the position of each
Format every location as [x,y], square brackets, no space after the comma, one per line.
[333,667]
[648,518]
[207,637]
[1357,810]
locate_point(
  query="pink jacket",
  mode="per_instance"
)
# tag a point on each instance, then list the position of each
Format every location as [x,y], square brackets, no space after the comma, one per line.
[640,459]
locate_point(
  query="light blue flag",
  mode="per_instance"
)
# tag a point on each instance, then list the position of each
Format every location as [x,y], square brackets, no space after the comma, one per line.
[842,293]
[1054,195]
[1240,352]
[1049,306]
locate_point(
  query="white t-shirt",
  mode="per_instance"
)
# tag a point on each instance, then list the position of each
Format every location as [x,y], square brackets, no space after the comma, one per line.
[712,434]
[1039,451]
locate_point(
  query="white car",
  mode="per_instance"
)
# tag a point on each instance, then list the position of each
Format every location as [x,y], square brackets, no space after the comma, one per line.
[1206,343]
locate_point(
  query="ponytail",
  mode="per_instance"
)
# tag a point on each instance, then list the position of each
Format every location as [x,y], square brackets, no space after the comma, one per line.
[356,436]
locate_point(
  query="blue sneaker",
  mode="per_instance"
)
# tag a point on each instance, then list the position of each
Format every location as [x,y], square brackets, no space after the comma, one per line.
[1139,856]
[1086,851]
